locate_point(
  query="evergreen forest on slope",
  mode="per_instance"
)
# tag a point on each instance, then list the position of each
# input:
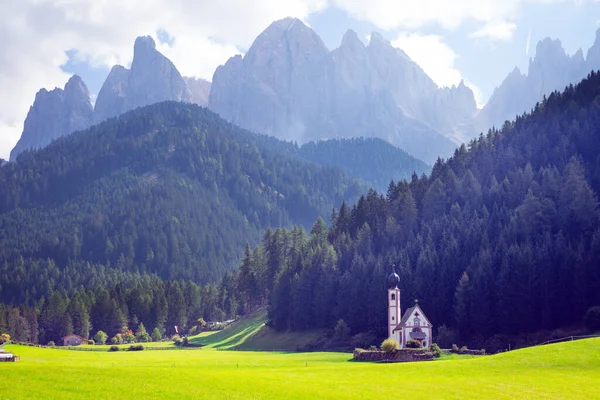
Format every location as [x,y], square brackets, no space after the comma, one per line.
[501,239]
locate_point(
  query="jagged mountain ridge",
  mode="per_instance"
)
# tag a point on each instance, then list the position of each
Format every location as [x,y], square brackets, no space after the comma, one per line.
[551,69]
[55,112]
[291,86]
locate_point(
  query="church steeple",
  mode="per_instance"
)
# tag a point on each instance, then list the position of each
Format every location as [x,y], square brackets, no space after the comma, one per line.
[393,303]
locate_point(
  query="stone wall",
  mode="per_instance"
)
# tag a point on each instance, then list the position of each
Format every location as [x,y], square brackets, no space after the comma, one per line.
[402,355]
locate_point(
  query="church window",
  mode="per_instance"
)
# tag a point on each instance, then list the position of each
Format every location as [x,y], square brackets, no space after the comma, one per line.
[393,318]
[417,321]
[393,296]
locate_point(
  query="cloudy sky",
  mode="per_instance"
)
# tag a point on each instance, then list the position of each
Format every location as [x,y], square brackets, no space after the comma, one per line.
[481,41]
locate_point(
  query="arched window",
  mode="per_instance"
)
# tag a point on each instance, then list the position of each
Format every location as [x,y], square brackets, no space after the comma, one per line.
[417,321]
[393,296]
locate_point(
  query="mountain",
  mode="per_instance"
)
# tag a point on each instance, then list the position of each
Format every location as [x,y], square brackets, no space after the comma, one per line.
[152,78]
[291,86]
[500,243]
[199,90]
[170,189]
[374,161]
[54,114]
[551,69]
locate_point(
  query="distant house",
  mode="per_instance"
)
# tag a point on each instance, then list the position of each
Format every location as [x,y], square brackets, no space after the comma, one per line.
[6,356]
[74,340]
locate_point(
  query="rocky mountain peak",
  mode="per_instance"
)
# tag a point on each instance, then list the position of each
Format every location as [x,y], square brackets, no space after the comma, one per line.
[54,114]
[152,78]
[351,41]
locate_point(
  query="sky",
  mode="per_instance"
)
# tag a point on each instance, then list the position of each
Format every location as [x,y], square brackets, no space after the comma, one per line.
[44,42]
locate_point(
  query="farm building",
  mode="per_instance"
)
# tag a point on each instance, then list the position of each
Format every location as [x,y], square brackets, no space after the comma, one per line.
[414,325]
[6,356]
[74,340]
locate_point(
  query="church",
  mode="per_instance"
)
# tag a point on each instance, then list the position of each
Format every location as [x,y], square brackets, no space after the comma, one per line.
[413,324]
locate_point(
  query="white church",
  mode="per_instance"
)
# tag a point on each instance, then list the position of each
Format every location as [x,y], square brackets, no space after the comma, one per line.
[413,325]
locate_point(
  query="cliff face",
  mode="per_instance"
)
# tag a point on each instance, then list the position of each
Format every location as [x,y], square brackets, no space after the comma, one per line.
[54,114]
[152,78]
[291,86]
[551,69]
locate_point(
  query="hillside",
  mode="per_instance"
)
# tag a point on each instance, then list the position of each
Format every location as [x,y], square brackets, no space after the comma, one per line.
[170,189]
[373,160]
[563,371]
[502,239]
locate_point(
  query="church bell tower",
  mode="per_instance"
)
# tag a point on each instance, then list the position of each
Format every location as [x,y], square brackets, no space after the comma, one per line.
[393,304]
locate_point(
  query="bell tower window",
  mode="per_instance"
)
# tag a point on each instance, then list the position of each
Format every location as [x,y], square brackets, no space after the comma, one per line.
[393,296]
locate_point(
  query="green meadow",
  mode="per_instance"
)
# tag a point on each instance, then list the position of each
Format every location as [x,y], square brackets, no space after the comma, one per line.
[562,371]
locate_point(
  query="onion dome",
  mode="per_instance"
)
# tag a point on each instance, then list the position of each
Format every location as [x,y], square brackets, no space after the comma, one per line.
[393,279]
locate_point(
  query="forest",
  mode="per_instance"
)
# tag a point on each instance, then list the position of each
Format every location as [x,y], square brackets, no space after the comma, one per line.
[501,239]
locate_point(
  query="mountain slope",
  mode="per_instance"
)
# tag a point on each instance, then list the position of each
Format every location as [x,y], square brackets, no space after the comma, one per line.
[373,160]
[169,189]
[502,239]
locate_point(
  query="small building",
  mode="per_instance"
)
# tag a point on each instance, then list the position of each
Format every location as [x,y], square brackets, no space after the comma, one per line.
[74,340]
[6,356]
[413,325]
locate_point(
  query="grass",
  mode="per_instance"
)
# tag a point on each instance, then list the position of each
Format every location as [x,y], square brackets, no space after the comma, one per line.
[234,335]
[562,371]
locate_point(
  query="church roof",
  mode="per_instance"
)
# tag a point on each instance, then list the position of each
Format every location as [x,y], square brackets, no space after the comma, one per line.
[407,315]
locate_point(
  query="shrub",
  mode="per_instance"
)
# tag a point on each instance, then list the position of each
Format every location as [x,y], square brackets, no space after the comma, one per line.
[136,347]
[156,335]
[464,348]
[389,345]
[413,344]
[91,342]
[51,343]
[592,318]
[435,349]
[373,348]
[4,338]
[100,337]
[193,330]
[175,337]
[185,341]
[454,347]
[113,348]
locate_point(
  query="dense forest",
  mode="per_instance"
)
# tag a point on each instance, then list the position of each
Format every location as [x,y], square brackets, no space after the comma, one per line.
[502,239]
[171,190]
[372,160]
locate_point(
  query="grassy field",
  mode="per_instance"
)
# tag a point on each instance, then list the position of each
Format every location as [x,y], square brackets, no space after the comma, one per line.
[562,371]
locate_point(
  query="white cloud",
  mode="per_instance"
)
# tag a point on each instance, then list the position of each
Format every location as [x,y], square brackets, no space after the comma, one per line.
[500,31]
[433,55]
[495,17]
[37,33]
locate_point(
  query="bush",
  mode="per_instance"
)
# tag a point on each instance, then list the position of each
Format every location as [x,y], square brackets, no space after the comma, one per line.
[113,348]
[592,319]
[91,342]
[435,349]
[373,348]
[156,335]
[136,347]
[100,337]
[454,347]
[389,345]
[464,348]
[413,344]
[51,343]
[193,330]
[4,338]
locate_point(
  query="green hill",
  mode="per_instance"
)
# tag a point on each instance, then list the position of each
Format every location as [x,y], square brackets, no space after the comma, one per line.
[170,189]
[562,371]
[375,161]
[498,243]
